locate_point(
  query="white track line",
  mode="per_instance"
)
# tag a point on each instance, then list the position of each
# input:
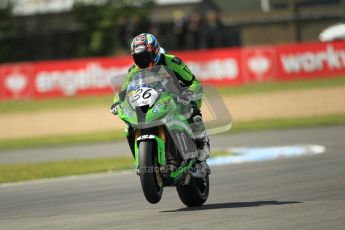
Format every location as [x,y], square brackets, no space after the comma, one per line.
[244,154]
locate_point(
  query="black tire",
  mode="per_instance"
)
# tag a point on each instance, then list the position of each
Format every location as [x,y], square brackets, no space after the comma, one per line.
[196,193]
[148,168]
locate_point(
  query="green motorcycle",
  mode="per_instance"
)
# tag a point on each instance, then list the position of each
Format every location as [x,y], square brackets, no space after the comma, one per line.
[160,136]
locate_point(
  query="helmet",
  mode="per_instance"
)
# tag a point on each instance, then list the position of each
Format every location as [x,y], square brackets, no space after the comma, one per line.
[145,50]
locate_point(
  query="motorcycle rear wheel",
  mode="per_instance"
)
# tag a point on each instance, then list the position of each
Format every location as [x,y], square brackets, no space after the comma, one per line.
[195,193]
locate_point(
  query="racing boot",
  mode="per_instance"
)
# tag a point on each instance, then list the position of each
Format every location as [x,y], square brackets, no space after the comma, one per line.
[201,168]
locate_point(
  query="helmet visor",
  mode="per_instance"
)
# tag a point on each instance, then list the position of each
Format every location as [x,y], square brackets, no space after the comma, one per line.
[143,59]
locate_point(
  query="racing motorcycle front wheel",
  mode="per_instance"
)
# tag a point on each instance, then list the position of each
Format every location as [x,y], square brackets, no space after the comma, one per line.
[150,179]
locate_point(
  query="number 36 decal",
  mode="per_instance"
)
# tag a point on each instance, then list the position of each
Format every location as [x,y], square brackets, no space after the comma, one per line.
[143,96]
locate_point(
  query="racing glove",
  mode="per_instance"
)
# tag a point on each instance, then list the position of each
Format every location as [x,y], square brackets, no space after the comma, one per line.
[114,108]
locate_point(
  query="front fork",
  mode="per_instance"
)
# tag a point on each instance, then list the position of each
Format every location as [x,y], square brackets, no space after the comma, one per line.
[161,141]
[135,136]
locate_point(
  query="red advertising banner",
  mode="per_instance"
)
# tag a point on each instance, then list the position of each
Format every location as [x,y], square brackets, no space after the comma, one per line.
[77,77]
[310,60]
[219,67]
[258,64]
[16,81]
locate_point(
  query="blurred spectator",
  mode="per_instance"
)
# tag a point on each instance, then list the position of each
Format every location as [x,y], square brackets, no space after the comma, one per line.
[154,29]
[214,28]
[133,27]
[122,32]
[126,30]
[180,29]
[195,30]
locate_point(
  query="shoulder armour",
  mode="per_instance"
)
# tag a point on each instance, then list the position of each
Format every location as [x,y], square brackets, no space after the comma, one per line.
[178,66]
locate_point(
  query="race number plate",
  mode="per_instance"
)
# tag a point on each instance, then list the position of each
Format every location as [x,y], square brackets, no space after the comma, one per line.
[142,96]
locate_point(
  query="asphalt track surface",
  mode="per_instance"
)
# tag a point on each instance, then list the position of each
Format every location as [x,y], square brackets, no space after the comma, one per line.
[306,192]
[248,139]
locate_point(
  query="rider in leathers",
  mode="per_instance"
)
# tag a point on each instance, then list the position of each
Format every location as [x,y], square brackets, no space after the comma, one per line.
[147,52]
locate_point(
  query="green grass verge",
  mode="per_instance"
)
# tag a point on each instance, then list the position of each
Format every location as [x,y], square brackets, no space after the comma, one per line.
[86,138]
[34,171]
[54,104]
[117,135]
[75,102]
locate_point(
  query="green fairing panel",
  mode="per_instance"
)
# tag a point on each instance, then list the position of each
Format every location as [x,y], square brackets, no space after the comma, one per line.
[127,114]
[181,125]
[181,170]
[162,107]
